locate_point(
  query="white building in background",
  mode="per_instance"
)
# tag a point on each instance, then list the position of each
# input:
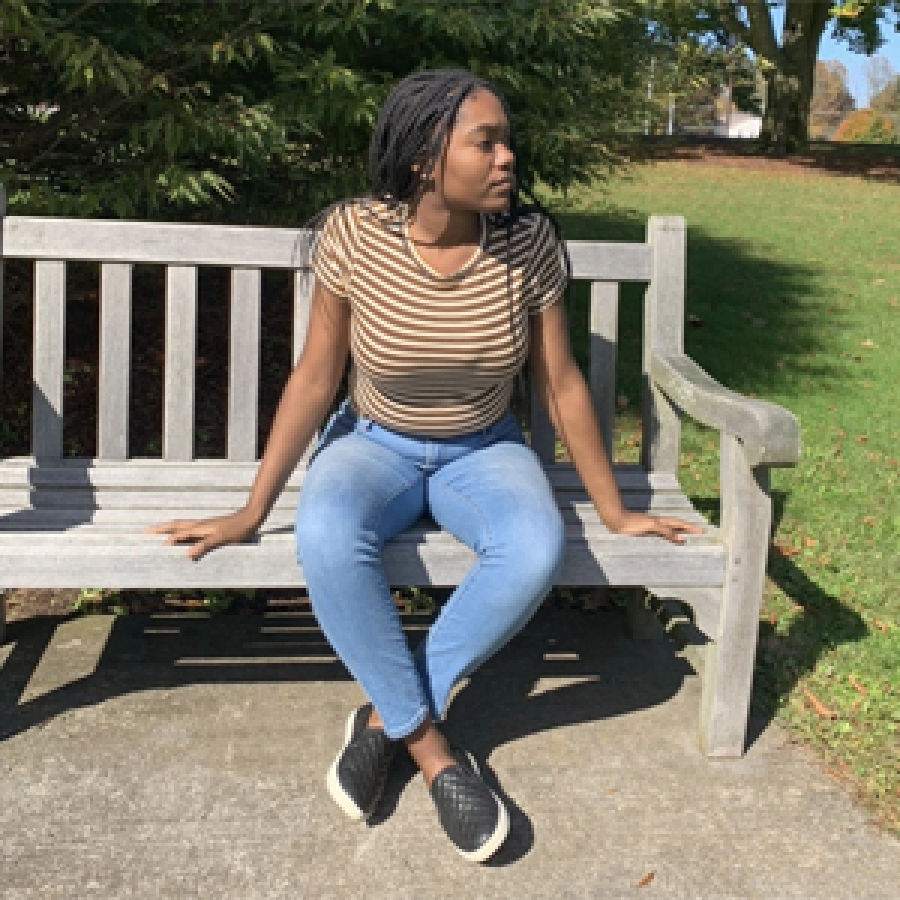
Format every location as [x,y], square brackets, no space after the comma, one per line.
[740,125]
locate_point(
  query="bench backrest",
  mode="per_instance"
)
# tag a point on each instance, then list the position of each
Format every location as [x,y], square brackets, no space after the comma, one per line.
[246,251]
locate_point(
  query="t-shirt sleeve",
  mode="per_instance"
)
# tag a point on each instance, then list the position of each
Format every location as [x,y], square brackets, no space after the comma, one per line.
[331,256]
[546,280]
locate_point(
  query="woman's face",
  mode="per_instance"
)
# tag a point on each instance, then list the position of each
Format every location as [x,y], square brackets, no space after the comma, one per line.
[476,157]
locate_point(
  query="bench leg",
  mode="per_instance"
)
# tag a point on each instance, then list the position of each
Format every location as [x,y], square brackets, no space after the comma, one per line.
[2,616]
[727,677]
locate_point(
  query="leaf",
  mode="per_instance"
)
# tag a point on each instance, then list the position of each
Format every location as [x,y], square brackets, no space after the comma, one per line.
[787,550]
[810,542]
[868,343]
[646,879]
[858,687]
[818,706]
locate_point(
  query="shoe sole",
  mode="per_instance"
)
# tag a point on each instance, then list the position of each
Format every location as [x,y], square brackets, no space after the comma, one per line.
[333,783]
[495,842]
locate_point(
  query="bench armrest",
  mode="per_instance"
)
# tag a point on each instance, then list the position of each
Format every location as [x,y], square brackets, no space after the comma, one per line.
[769,433]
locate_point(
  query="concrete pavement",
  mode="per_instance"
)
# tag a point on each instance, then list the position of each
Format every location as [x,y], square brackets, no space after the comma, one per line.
[166,756]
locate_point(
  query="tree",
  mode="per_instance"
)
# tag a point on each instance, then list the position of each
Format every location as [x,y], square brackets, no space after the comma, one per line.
[879,74]
[887,100]
[831,100]
[262,112]
[789,66]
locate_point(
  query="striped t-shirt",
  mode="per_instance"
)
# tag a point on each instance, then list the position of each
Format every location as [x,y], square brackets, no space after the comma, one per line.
[435,355]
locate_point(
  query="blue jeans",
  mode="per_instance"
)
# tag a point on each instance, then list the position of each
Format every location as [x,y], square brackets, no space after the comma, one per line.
[365,484]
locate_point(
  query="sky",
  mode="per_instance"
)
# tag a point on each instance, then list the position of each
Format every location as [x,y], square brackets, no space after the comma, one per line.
[855,62]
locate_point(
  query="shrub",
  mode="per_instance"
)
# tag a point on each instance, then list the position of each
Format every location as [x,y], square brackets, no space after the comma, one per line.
[866,126]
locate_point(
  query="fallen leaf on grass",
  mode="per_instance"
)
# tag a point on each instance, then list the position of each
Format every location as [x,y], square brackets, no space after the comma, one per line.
[858,687]
[810,542]
[646,879]
[870,520]
[787,550]
[861,439]
[820,708]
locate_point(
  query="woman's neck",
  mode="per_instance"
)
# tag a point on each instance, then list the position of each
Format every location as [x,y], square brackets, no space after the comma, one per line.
[436,226]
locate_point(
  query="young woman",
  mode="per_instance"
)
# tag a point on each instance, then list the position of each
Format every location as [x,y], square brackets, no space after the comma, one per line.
[439,284]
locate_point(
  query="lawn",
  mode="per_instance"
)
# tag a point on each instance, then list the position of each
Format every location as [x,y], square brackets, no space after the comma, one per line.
[794,283]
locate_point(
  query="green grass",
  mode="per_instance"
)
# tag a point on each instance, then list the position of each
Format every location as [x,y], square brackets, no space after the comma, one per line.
[796,282]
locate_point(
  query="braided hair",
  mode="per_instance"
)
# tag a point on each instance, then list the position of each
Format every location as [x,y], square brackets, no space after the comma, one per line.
[405,147]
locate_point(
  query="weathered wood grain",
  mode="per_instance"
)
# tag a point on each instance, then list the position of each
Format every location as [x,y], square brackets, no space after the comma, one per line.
[181,360]
[115,361]
[770,434]
[240,246]
[49,359]
[243,365]
[663,334]
[604,333]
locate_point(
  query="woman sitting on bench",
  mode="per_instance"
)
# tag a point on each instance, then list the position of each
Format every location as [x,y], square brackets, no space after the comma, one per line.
[439,284]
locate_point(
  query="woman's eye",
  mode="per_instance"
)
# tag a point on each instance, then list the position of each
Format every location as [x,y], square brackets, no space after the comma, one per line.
[486,144]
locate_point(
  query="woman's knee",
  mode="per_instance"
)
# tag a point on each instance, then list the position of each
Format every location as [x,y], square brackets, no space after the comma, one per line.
[536,546]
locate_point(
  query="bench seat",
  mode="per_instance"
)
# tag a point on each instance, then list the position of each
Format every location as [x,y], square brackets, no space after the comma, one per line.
[92,517]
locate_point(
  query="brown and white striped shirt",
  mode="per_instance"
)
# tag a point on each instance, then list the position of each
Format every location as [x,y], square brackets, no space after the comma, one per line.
[435,355]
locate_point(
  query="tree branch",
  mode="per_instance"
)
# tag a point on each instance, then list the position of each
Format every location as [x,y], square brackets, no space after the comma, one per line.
[735,25]
[761,29]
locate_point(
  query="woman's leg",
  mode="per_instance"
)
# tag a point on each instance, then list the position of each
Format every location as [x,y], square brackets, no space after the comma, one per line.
[498,501]
[356,495]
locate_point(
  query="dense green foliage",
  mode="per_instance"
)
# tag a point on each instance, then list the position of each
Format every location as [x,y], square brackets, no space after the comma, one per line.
[259,111]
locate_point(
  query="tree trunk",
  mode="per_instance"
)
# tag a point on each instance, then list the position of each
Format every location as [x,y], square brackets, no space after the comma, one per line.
[789,89]
[790,75]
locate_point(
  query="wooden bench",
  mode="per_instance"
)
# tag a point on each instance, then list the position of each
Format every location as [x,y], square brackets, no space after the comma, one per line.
[77,522]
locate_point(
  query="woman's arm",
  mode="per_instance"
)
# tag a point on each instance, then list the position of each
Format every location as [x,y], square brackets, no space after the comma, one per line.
[305,400]
[565,394]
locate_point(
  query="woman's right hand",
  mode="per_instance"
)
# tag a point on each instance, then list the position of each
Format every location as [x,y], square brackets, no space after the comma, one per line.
[207,534]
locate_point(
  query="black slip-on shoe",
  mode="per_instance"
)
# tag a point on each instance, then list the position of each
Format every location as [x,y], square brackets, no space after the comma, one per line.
[357,777]
[471,814]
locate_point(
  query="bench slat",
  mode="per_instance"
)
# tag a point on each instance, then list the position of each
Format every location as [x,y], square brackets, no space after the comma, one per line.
[115,361]
[224,474]
[271,562]
[187,244]
[181,354]
[604,331]
[243,370]
[174,503]
[49,359]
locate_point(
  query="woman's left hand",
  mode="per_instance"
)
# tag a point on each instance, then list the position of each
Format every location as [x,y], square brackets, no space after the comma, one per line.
[635,523]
